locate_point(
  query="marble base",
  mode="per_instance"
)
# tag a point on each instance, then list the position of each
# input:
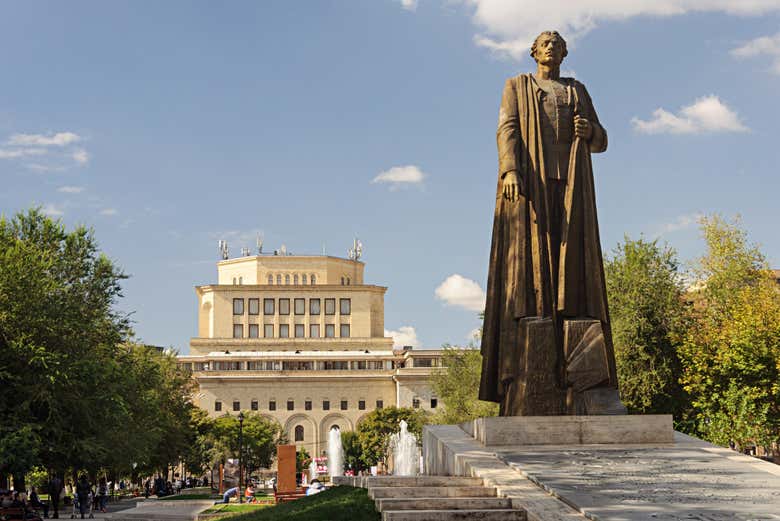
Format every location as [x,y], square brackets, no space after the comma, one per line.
[571,430]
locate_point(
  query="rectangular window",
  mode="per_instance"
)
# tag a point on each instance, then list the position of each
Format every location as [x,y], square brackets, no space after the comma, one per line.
[284,306]
[238,331]
[272,405]
[314,306]
[268,330]
[307,405]
[325,405]
[344,405]
[290,405]
[330,331]
[254,306]
[362,405]
[345,306]
[255,405]
[344,333]
[217,406]
[338,365]
[238,306]
[416,403]
[314,330]
[300,330]
[330,306]
[254,330]
[300,306]
[284,331]
[434,403]
[268,306]
[236,406]
[380,404]
[423,362]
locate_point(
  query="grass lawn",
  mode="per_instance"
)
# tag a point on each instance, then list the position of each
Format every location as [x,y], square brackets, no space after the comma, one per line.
[335,504]
[235,507]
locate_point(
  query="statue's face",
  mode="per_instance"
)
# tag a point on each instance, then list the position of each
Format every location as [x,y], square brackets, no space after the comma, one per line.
[549,50]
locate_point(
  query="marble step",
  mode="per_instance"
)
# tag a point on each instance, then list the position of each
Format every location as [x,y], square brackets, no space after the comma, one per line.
[444,503]
[422,492]
[422,481]
[454,515]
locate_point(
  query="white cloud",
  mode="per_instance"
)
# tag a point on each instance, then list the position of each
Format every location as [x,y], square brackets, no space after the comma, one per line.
[457,290]
[707,114]
[109,211]
[508,27]
[405,336]
[70,189]
[409,5]
[681,222]
[80,156]
[768,46]
[401,175]
[53,210]
[21,152]
[60,139]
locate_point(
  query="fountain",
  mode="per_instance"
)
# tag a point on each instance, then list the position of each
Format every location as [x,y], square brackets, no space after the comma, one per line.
[406,453]
[312,470]
[335,453]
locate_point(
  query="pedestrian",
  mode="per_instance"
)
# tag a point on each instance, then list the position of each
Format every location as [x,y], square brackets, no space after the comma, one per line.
[83,491]
[55,493]
[35,502]
[102,494]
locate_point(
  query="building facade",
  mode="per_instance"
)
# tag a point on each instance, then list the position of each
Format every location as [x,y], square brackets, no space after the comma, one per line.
[300,340]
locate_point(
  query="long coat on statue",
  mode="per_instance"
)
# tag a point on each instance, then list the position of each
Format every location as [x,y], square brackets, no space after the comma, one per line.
[520,280]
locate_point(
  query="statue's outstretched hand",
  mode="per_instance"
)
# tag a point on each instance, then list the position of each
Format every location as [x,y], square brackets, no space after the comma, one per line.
[582,128]
[512,187]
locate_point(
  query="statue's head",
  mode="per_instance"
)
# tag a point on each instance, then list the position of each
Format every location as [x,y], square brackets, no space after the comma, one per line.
[549,48]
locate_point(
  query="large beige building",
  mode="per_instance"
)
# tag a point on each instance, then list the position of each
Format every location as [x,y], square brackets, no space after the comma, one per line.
[300,339]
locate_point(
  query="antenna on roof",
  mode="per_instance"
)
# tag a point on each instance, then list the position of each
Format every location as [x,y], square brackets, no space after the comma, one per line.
[259,244]
[356,251]
[223,249]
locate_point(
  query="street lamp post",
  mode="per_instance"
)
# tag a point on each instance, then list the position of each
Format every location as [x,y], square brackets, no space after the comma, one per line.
[240,455]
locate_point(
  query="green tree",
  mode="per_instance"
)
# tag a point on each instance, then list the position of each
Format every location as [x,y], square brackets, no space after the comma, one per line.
[649,318]
[457,386]
[260,438]
[731,357]
[375,430]
[59,331]
[350,441]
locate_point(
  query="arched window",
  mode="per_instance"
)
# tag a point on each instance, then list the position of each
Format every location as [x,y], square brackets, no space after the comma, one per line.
[342,281]
[287,279]
[303,279]
[348,281]
[234,281]
[299,433]
[270,279]
[295,279]
[313,279]
[279,280]
[240,280]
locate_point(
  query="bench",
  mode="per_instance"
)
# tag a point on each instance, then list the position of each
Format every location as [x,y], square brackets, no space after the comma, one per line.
[281,497]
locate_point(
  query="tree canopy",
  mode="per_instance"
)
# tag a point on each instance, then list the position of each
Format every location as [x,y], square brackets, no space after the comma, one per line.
[457,386]
[649,317]
[375,430]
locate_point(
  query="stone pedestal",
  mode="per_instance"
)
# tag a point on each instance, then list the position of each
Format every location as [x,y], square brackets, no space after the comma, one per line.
[571,430]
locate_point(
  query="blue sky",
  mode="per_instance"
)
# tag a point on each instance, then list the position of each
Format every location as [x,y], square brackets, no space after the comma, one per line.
[169,125]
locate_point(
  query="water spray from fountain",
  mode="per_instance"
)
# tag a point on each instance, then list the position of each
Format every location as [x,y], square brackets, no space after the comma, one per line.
[406,453]
[335,453]
[312,470]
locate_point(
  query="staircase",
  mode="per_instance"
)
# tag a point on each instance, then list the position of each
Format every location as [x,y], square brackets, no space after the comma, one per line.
[434,498]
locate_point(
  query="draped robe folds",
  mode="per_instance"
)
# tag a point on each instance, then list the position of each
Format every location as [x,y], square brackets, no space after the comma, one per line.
[520,277]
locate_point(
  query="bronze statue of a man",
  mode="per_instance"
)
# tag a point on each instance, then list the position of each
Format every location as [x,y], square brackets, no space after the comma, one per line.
[546,342]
